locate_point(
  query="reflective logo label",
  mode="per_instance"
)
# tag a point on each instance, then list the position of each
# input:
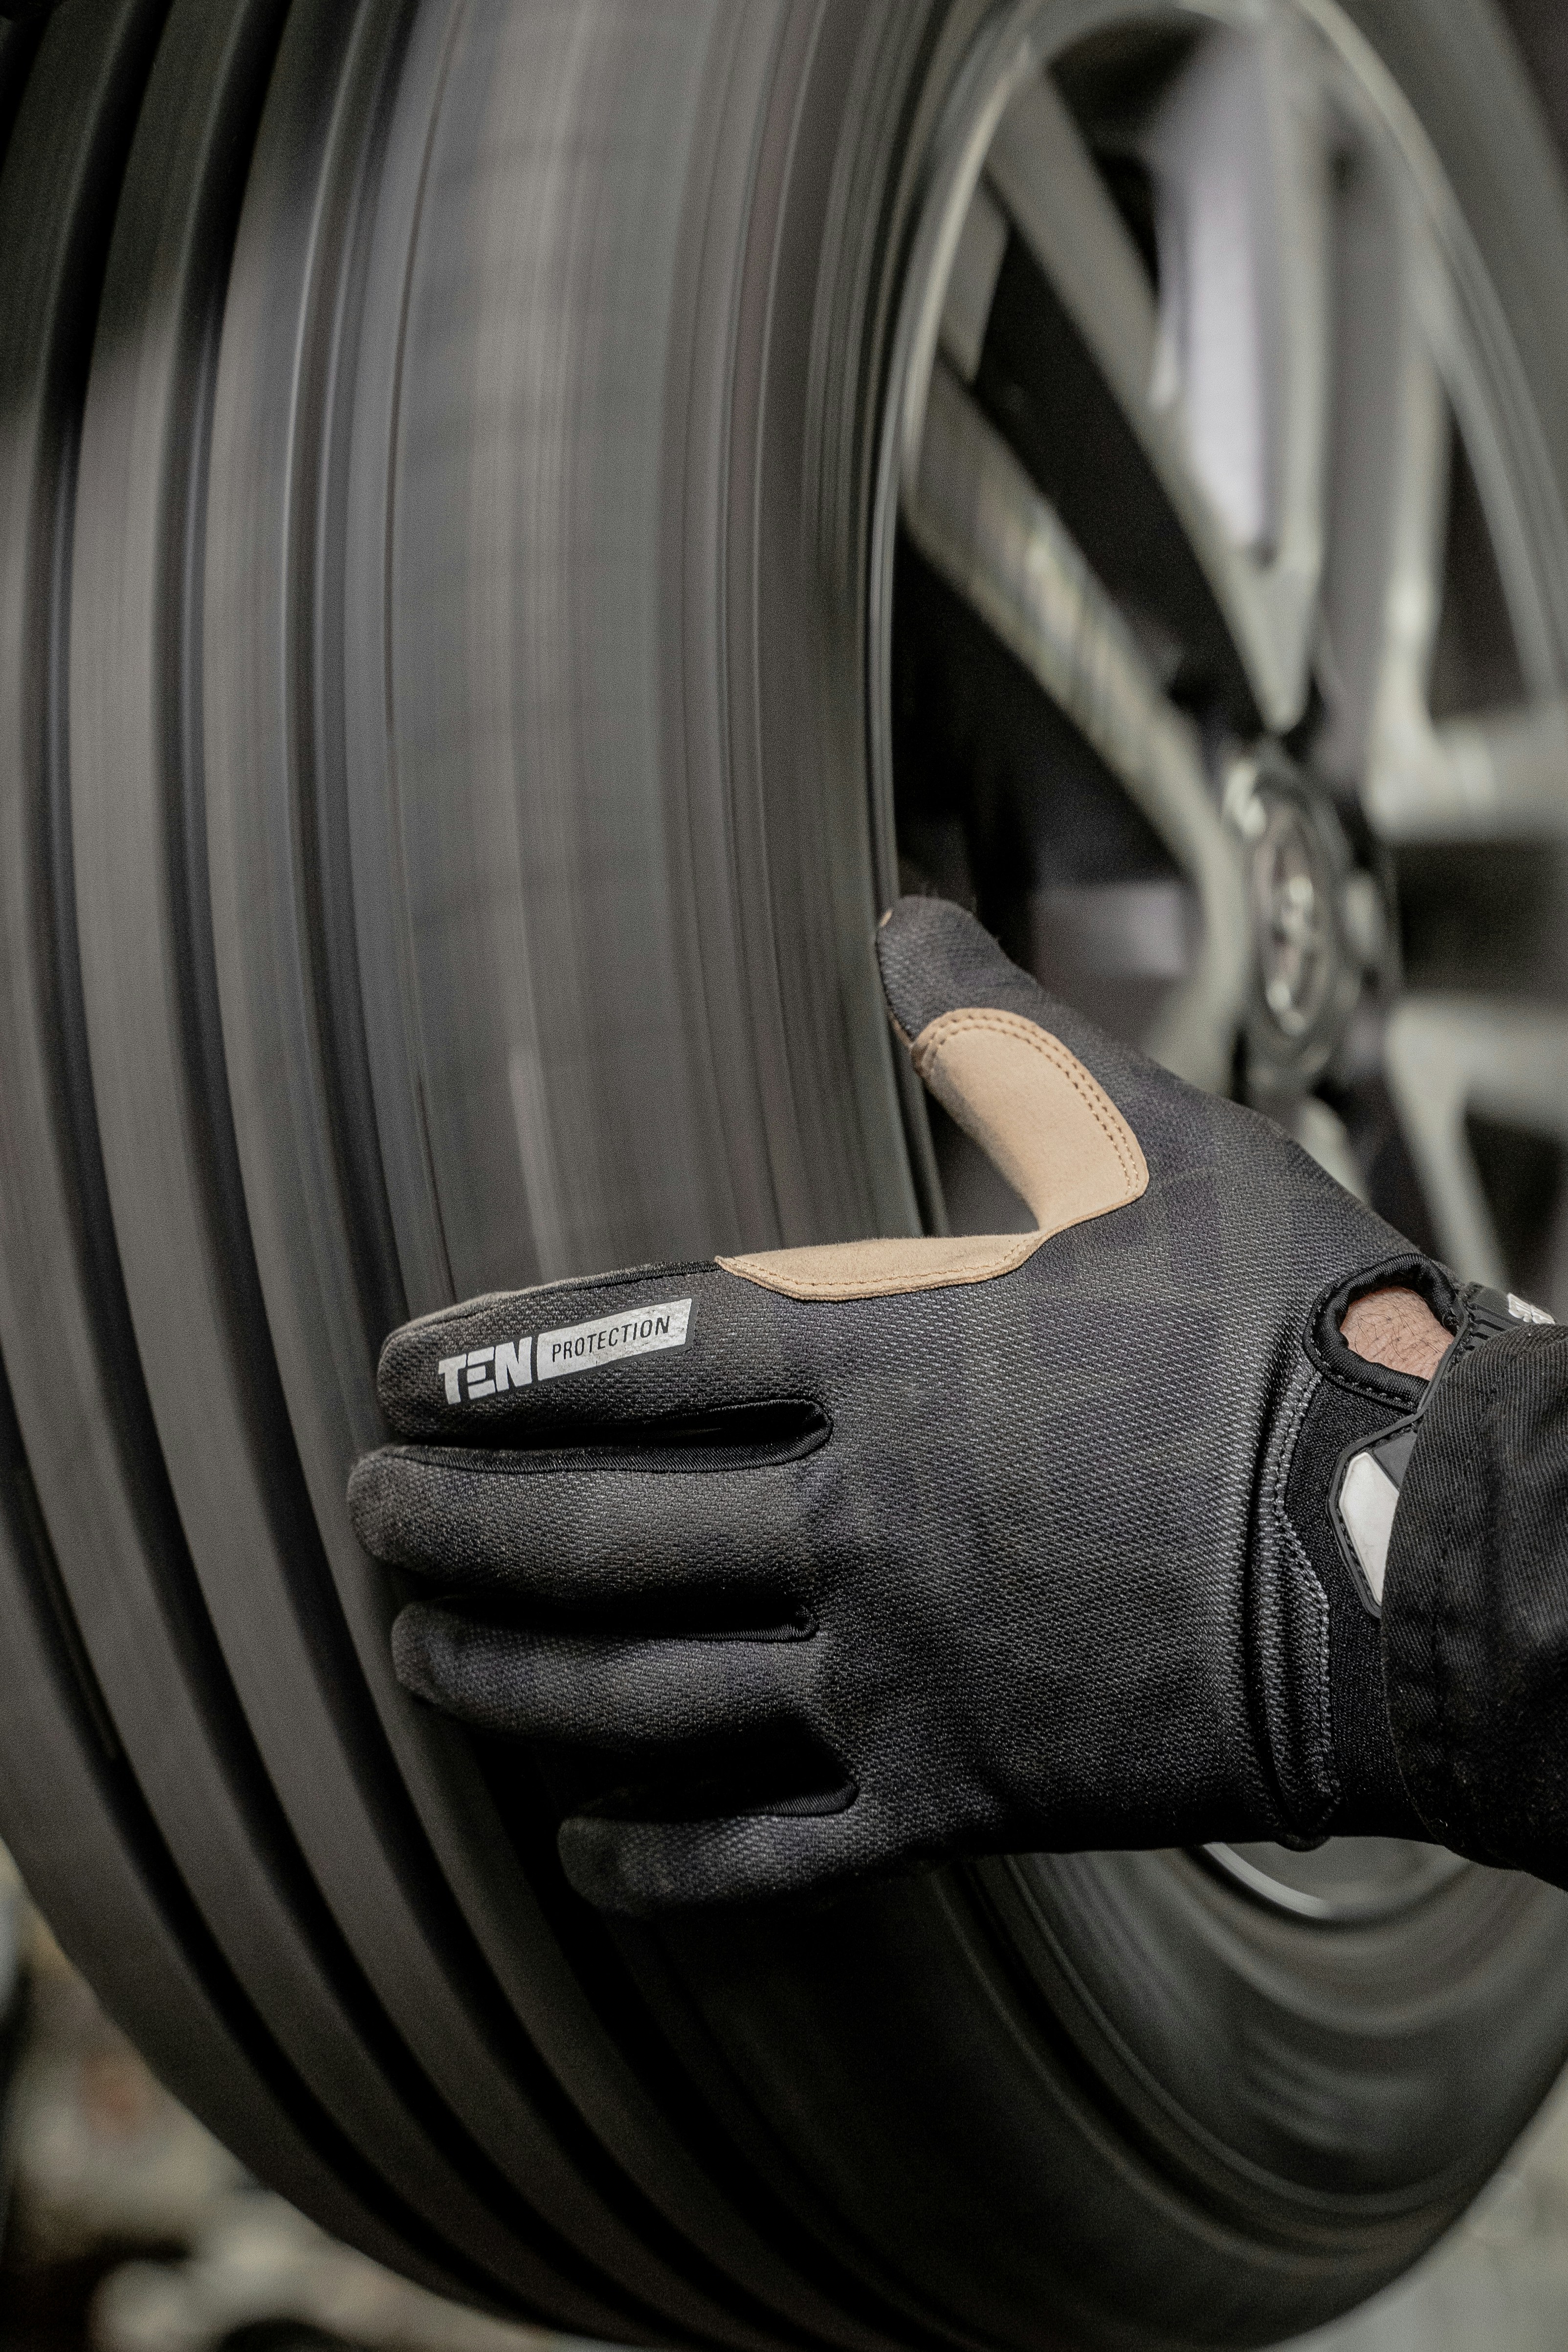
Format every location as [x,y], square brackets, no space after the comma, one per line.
[1524,1312]
[639,1333]
[488,1372]
[1368,1500]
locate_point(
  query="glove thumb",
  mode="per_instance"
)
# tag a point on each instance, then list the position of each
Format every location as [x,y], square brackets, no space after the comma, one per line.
[935,959]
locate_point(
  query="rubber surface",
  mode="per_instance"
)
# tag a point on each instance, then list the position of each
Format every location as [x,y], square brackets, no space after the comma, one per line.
[436,444]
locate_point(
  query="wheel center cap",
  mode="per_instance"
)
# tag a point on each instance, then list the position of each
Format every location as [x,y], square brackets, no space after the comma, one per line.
[1300,875]
[1293,917]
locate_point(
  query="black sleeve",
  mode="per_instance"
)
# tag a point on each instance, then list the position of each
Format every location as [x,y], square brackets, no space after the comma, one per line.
[1475,1626]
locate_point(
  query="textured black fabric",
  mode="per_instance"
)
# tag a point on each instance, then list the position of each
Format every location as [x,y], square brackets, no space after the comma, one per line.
[1033,1565]
[1475,1607]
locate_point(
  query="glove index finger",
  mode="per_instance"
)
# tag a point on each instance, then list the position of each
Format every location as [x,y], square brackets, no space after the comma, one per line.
[616,1350]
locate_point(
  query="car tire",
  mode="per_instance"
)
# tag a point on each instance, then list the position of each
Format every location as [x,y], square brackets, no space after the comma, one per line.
[446,589]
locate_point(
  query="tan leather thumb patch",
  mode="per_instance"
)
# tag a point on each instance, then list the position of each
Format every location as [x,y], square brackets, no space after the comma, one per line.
[1047,1125]
[1041,1120]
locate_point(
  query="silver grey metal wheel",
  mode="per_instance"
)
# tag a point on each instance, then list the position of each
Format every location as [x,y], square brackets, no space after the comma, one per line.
[1306,369]
[461,696]
[1311,629]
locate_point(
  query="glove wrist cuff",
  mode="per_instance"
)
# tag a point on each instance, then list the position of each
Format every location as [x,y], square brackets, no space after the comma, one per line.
[1351,1404]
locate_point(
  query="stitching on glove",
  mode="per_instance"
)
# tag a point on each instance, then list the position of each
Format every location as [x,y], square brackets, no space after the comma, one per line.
[889,1285]
[1450,1766]
[1320,1764]
[1438,1767]
[892,1268]
[1427,1753]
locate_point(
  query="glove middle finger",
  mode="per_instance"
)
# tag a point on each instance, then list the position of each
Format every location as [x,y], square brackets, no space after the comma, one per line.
[571,1536]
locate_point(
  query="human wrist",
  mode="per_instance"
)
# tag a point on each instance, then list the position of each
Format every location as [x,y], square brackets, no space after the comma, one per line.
[1395,1327]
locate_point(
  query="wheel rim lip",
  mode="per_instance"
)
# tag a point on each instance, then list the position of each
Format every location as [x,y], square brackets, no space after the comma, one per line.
[1355,1909]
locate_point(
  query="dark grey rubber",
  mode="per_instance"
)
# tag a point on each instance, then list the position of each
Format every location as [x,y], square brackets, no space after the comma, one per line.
[435,854]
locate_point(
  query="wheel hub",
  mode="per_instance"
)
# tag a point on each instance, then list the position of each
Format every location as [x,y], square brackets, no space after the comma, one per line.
[1302,893]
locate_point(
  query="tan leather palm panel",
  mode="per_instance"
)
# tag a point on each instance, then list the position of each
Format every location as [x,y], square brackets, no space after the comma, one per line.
[1397,1330]
[1048,1126]
[883,1269]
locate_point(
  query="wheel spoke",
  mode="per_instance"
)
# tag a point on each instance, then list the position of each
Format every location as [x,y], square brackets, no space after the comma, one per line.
[1447,1059]
[978,519]
[1223,378]
[1388,513]
[976,265]
[1240,154]
[1050,190]
[1503,774]
[1499,777]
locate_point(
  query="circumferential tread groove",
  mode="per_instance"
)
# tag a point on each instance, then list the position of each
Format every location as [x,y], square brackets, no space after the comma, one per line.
[206,1670]
[299,1546]
[327,884]
[141,1837]
[383,1305]
[140,1457]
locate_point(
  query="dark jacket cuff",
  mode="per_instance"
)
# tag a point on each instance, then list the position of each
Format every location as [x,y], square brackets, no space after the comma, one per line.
[1475,1622]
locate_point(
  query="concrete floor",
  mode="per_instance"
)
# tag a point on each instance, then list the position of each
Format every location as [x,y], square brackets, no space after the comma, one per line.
[133,2232]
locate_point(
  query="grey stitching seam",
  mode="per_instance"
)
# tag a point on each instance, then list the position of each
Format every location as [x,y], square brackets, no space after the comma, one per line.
[1431,1764]
[887,1285]
[1491,1397]
[1310,1384]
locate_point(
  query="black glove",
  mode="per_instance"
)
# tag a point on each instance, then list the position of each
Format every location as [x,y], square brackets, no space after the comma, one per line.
[845,1558]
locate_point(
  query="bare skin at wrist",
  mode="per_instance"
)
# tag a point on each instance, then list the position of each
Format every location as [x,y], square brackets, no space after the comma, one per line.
[1397,1330]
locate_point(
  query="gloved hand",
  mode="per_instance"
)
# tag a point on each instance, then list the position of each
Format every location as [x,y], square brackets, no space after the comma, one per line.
[848,1557]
